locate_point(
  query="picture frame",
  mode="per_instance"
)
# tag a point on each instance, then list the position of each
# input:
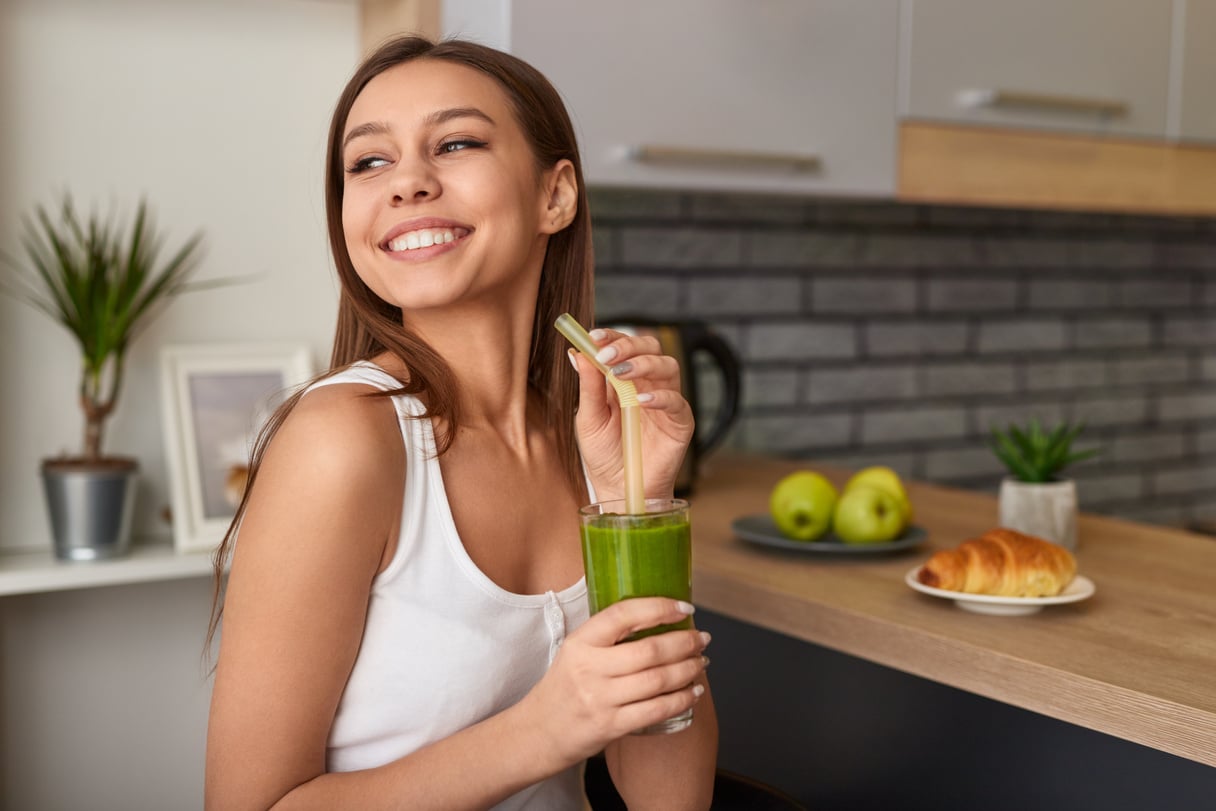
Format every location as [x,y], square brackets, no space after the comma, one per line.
[215,398]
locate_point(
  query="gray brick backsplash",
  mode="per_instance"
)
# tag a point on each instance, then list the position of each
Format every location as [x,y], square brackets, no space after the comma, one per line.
[1065,374]
[958,463]
[916,338]
[681,247]
[902,463]
[967,295]
[769,387]
[874,332]
[1022,335]
[1146,447]
[797,432]
[1023,252]
[1113,333]
[968,379]
[801,341]
[1153,293]
[783,249]
[1099,488]
[1190,331]
[1187,255]
[1193,406]
[919,252]
[1192,478]
[906,424]
[636,295]
[872,295]
[861,384]
[1110,254]
[747,208]
[1099,412]
[745,296]
[1172,368]
[1069,294]
[631,204]
[1001,416]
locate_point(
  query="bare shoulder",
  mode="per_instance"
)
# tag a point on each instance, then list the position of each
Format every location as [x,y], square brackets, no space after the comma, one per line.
[336,467]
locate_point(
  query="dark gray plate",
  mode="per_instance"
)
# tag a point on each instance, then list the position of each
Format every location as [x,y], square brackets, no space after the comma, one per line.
[760,529]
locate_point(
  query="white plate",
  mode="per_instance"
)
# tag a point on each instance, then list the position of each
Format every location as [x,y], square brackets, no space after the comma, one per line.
[1079,589]
[760,529]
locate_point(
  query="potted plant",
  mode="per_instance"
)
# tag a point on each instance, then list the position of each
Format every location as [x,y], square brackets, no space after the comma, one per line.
[103,282]
[1035,498]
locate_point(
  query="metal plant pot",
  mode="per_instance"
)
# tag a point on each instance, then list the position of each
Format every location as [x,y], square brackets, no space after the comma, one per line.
[91,506]
[1047,510]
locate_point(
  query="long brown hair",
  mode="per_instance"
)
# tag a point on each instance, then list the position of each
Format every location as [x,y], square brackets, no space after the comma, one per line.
[368,326]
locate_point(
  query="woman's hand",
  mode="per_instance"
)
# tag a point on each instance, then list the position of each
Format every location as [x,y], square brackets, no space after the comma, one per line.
[667,420]
[597,690]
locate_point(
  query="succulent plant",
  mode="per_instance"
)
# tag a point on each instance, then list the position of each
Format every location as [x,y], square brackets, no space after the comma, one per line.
[1033,454]
[102,282]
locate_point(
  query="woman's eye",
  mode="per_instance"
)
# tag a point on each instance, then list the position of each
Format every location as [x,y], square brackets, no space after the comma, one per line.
[363,164]
[457,144]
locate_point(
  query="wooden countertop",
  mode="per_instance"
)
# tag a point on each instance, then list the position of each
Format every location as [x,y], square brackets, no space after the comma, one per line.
[1137,660]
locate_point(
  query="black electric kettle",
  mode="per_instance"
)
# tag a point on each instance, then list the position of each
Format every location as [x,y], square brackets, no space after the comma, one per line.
[688,341]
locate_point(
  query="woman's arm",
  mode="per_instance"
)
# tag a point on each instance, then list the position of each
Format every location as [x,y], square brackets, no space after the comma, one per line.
[323,510]
[672,771]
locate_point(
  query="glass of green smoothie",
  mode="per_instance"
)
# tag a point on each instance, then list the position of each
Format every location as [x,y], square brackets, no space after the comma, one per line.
[643,555]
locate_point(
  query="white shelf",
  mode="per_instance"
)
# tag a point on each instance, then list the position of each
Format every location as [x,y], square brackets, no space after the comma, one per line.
[35,572]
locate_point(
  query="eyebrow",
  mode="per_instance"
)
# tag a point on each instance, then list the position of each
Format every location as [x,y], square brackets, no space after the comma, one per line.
[434,119]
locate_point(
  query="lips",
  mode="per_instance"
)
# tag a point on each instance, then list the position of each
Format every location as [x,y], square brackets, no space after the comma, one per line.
[417,234]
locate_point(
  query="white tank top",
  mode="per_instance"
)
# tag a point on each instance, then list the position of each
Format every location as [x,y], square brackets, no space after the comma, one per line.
[443,646]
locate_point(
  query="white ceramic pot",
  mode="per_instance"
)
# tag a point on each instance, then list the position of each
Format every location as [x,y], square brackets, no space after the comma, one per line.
[1048,510]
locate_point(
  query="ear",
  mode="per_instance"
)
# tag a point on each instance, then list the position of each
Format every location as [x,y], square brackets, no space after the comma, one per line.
[561,198]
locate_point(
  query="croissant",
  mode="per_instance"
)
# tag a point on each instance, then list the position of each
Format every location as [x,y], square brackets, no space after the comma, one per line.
[1001,562]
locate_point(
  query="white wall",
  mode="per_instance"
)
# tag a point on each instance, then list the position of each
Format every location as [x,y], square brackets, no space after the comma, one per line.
[215,110]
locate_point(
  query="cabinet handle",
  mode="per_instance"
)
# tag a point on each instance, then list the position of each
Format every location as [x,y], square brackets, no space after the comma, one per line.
[993,97]
[723,158]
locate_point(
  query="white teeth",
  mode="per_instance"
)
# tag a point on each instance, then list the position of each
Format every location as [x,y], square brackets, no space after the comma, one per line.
[423,238]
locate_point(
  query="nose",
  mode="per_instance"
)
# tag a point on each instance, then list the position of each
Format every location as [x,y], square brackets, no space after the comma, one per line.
[414,181]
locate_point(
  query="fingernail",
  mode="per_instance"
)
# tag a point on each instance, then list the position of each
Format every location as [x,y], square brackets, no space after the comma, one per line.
[622,368]
[684,608]
[705,637]
[645,397]
[606,355]
[573,360]
[704,662]
[698,690]
[598,334]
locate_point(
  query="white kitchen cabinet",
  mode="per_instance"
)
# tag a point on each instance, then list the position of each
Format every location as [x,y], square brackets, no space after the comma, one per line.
[764,95]
[1096,66]
[1198,94]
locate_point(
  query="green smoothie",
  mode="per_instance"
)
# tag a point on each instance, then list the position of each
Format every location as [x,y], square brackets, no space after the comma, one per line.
[638,556]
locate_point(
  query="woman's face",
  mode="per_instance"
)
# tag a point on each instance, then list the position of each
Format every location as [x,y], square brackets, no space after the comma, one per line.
[442,200]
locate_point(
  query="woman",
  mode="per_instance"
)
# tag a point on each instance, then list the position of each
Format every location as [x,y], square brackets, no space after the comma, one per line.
[405,624]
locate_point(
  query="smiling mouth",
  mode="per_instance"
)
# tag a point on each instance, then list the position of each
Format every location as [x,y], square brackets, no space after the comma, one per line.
[424,238]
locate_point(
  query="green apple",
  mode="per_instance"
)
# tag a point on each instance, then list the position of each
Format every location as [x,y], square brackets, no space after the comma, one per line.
[866,514]
[884,478]
[802,505]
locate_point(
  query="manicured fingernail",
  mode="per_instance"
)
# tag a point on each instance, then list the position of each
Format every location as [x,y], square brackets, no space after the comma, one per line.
[698,690]
[705,637]
[622,368]
[598,334]
[606,355]
[645,397]
[704,662]
[684,608]
[573,360]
